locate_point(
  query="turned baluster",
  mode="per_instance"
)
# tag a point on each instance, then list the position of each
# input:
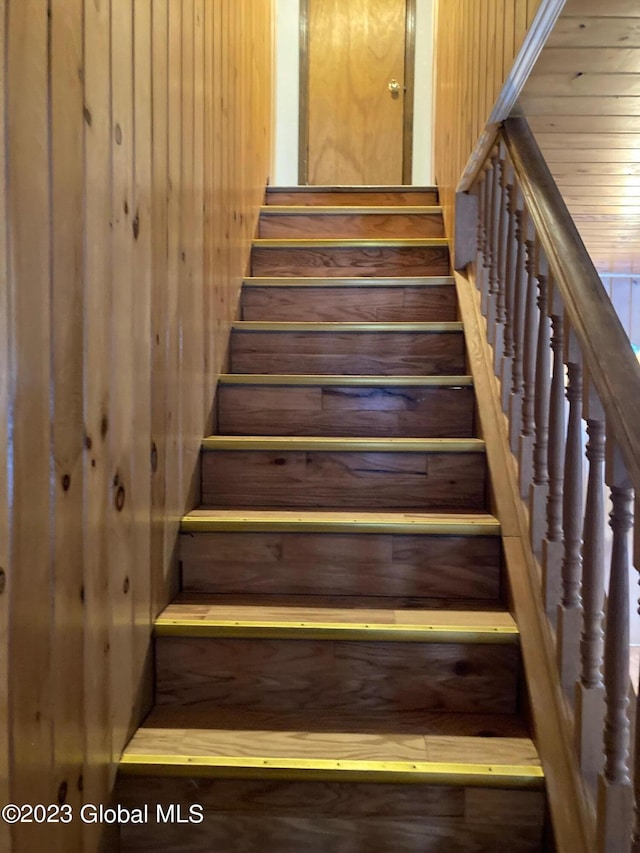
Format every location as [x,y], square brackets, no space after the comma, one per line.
[570,610]
[527,434]
[539,486]
[480,191]
[552,545]
[511,254]
[590,689]
[614,792]
[487,193]
[503,226]
[519,306]
[494,231]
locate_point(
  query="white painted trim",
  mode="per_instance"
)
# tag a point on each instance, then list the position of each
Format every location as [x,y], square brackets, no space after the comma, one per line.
[287,97]
[535,40]
[422,171]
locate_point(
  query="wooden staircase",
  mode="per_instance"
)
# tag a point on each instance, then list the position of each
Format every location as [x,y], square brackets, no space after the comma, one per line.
[340,671]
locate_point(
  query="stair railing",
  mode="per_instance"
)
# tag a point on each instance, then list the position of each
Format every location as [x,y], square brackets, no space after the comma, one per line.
[567,370]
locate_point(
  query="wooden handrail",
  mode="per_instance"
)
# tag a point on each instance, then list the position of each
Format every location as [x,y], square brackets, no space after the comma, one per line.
[612,366]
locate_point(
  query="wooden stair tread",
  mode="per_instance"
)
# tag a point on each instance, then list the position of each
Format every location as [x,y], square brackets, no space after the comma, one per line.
[343,379]
[415,758]
[403,722]
[350,188]
[346,210]
[348,242]
[350,281]
[448,524]
[207,620]
[296,326]
[343,444]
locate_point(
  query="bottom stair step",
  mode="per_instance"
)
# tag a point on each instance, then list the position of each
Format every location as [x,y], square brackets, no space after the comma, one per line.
[288,792]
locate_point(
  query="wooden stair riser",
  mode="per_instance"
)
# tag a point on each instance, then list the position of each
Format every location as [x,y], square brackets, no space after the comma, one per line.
[311,676]
[411,567]
[242,816]
[281,478]
[369,198]
[372,225]
[350,261]
[346,680]
[346,410]
[349,353]
[343,304]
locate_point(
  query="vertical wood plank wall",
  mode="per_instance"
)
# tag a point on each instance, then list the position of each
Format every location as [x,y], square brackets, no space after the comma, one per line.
[136,147]
[476,43]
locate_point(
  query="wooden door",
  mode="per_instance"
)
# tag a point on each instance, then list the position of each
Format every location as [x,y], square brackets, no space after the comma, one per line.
[354,122]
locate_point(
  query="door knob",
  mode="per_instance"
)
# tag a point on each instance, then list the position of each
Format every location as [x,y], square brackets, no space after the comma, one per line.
[394,88]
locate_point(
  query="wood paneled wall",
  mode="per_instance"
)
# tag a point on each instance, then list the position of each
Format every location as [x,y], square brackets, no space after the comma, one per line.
[476,43]
[136,149]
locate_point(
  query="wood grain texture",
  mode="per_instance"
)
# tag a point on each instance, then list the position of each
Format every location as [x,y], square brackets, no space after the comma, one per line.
[296,834]
[339,262]
[337,811]
[281,478]
[195,616]
[375,304]
[382,354]
[351,225]
[407,818]
[583,106]
[31,706]
[354,123]
[476,46]
[314,675]
[356,564]
[105,173]
[68,418]
[426,723]
[346,410]
[351,196]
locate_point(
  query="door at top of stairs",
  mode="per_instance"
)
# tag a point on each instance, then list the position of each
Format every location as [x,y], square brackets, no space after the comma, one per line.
[354,91]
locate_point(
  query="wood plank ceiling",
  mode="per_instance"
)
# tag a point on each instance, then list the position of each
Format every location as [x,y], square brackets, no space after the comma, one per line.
[583,104]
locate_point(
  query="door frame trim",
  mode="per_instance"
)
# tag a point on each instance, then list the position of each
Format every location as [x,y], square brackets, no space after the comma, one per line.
[409,93]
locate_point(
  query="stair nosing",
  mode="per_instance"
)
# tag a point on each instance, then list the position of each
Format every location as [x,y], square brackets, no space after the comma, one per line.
[462,381]
[349,188]
[349,243]
[453,327]
[295,768]
[291,629]
[349,210]
[215,443]
[437,524]
[349,281]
